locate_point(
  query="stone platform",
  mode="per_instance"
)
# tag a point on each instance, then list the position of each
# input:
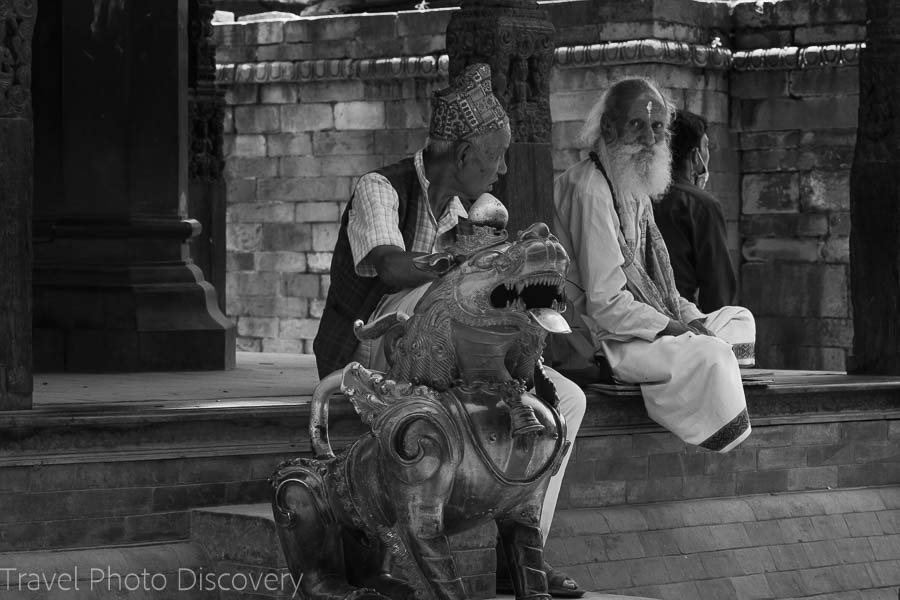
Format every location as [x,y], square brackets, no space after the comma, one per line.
[122,461]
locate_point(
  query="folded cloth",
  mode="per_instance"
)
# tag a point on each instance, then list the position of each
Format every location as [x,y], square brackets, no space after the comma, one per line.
[735,325]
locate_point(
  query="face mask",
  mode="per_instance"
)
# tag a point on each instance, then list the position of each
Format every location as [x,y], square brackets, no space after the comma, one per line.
[700,179]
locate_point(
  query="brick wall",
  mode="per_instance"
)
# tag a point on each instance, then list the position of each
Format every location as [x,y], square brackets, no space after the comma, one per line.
[298,138]
[794,109]
[314,103]
[638,467]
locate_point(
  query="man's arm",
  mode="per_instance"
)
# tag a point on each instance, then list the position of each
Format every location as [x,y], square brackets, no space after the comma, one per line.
[396,269]
[715,274]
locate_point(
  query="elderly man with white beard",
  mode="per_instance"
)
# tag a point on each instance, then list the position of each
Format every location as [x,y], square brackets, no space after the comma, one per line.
[625,308]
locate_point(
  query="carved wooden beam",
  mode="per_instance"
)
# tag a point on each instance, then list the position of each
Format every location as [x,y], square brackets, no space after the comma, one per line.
[515,38]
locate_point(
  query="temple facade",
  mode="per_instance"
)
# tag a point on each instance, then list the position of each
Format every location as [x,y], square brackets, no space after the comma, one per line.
[313,103]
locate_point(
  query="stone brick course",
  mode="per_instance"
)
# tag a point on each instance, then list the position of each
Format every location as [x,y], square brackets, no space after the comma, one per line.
[769,546]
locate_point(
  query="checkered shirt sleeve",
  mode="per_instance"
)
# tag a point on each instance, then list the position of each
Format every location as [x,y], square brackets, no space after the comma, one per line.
[373,221]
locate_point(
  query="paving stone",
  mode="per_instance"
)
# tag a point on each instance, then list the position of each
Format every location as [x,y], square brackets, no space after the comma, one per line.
[609,575]
[822,553]
[621,546]
[732,535]
[709,512]
[863,524]
[659,543]
[852,577]
[790,556]
[722,563]
[687,567]
[646,571]
[572,523]
[800,529]
[695,539]
[830,526]
[885,547]
[854,550]
[755,560]
[890,520]
[885,572]
[586,550]
[751,587]
[786,584]
[687,589]
[602,493]
[622,519]
[715,589]
[663,516]
[851,501]
[819,581]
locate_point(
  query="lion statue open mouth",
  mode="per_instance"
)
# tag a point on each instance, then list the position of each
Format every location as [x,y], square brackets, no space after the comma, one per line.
[456,439]
[485,319]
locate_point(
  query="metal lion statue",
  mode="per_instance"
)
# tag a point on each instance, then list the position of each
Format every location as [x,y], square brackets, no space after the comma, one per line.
[464,430]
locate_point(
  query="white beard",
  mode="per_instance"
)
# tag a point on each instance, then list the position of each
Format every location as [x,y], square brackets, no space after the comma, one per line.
[638,172]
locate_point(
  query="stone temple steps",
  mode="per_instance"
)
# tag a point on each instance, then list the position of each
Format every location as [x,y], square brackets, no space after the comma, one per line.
[824,545]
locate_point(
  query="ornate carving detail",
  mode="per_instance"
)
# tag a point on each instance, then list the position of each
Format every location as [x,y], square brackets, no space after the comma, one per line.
[793,57]
[422,67]
[517,43]
[16,29]
[521,80]
[206,104]
[645,51]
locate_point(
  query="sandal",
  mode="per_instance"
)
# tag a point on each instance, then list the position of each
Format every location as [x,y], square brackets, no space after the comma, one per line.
[559,584]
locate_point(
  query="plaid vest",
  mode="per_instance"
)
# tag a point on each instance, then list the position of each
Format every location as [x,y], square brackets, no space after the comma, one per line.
[350,296]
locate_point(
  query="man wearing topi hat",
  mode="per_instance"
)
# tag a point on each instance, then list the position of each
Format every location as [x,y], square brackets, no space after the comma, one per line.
[396,214]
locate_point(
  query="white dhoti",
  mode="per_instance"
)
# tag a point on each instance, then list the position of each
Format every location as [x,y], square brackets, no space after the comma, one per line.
[572,403]
[691,384]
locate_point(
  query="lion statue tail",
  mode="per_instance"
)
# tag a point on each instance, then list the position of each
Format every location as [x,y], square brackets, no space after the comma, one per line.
[318,414]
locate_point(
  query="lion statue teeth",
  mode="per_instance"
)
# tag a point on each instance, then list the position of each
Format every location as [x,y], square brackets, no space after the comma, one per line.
[457,439]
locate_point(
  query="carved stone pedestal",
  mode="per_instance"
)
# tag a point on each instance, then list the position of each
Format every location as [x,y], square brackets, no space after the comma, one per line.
[115,288]
[516,40]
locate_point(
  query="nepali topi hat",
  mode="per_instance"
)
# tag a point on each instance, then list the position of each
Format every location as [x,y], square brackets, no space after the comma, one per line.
[468,108]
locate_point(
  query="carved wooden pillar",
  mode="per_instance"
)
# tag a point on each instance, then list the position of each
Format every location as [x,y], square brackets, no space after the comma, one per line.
[515,38]
[875,198]
[16,148]
[206,113]
[114,284]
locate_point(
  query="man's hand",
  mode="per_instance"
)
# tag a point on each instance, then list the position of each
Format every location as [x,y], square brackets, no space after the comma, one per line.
[697,327]
[674,327]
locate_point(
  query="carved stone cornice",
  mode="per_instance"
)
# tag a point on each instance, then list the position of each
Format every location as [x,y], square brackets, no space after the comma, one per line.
[793,57]
[651,51]
[304,71]
[16,30]
[645,51]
